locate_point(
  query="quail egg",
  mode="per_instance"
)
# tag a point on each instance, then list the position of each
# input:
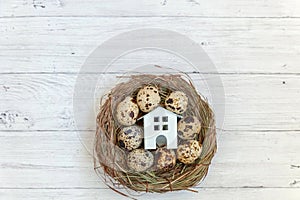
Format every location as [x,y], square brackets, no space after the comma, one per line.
[188,152]
[140,160]
[165,159]
[177,102]
[130,137]
[188,127]
[127,112]
[148,98]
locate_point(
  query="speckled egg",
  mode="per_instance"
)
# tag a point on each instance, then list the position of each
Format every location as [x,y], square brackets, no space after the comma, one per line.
[148,98]
[177,102]
[127,112]
[140,160]
[188,152]
[188,127]
[130,137]
[165,159]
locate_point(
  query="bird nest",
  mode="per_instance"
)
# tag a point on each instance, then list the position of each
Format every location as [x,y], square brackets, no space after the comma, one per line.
[110,158]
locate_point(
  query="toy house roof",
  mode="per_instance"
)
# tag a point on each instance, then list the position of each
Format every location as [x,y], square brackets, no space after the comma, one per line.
[159,110]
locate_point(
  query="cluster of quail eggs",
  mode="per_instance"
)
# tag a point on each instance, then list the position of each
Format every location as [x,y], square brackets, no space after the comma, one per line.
[130,137]
[188,130]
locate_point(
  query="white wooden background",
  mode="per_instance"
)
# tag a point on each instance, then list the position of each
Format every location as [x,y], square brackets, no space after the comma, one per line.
[255,44]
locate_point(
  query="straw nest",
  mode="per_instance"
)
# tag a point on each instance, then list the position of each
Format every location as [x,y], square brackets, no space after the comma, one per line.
[110,159]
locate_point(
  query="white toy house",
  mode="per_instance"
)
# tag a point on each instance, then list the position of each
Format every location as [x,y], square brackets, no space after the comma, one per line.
[160,122]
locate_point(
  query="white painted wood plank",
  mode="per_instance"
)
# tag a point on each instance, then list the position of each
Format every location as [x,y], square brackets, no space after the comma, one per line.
[200,8]
[52,160]
[44,101]
[248,37]
[235,45]
[203,193]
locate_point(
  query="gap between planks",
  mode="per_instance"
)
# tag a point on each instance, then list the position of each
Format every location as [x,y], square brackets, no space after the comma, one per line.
[149,16]
[102,188]
[120,73]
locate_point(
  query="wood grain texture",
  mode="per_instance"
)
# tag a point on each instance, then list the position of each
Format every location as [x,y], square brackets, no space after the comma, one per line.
[255,46]
[57,159]
[44,101]
[61,45]
[191,8]
[105,194]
